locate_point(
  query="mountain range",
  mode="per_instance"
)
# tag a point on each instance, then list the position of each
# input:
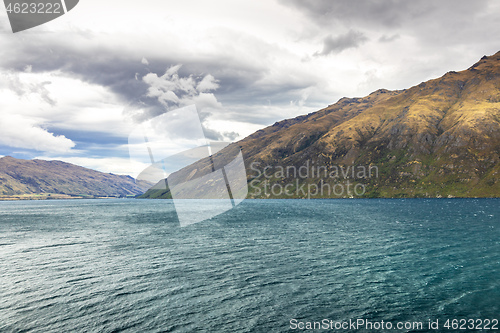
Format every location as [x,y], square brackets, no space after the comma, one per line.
[55,179]
[440,138]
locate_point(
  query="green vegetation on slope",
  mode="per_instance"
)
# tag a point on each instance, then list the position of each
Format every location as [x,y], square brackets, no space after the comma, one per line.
[440,138]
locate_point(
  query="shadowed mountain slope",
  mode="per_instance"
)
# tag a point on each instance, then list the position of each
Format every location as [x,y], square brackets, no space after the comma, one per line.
[18,177]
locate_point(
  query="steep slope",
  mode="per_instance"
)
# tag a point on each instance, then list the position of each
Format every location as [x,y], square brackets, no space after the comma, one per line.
[19,177]
[439,138]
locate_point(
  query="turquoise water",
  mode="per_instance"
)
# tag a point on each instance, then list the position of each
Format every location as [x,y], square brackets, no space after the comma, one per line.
[127,266]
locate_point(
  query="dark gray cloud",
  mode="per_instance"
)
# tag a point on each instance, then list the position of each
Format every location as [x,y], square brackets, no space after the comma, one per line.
[337,44]
[426,32]
[243,82]
[90,64]
[86,58]
[385,13]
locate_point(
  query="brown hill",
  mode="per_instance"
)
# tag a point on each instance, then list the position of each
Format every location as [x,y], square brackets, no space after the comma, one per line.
[439,138]
[22,177]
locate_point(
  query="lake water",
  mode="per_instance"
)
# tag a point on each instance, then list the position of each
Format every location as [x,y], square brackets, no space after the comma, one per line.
[265,266]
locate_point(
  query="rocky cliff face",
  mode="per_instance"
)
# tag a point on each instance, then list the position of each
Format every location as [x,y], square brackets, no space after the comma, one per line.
[440,138]
[18,177]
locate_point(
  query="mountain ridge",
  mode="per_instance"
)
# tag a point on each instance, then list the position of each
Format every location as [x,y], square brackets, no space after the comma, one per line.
[440,138]
[33,177]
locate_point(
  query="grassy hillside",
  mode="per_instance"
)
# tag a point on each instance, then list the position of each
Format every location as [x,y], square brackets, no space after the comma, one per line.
[440,138]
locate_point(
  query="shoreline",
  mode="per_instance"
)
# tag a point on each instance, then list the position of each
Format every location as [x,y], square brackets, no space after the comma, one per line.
[34,197]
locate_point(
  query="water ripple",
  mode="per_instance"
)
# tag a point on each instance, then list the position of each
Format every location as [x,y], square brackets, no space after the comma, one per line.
[126,266]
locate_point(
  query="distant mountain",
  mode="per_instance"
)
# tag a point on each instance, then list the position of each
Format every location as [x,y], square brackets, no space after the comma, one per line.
[29,177]
[440,138]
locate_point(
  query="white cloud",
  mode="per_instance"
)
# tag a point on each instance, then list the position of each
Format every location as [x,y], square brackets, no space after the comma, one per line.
[54,99]
[116,165]
[174,91]
[27,87]
[207,84]
[227,127]
[22,101]
[21,132]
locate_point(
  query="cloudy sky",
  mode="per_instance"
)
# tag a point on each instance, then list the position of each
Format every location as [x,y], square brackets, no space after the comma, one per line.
[75,88]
